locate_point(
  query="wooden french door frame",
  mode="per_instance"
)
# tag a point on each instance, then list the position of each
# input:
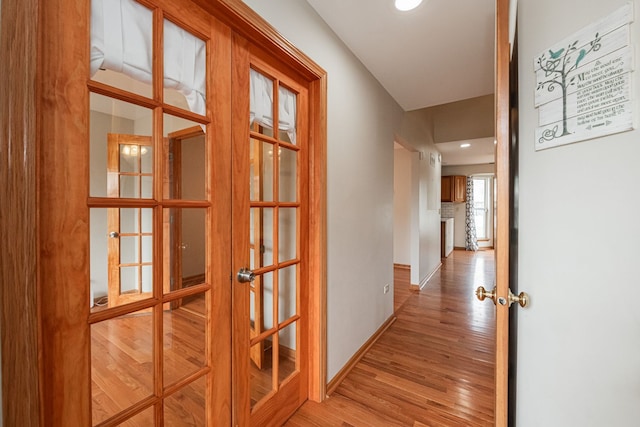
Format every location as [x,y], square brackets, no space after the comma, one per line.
[247,23]
[44,104]
[288,394]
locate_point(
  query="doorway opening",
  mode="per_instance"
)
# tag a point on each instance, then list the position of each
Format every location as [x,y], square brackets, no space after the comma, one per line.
[406,231]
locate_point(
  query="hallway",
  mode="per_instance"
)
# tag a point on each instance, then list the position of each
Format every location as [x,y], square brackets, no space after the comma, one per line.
[433,367]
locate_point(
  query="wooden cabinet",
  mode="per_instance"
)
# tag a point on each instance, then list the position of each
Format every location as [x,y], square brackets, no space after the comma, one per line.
[454,188]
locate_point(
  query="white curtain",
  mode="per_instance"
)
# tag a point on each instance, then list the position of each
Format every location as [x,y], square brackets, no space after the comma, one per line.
[121,41]
[471,243]
[261,110]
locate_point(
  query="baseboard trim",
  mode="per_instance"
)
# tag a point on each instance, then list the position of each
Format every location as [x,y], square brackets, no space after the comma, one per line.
[414,287]
[423,283]
[402,266]
[342,374]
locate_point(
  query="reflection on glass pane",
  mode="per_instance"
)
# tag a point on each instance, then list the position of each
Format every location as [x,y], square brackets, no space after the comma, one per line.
[287,115]
[129,280]
[127,65]
[184,340]
[129,186]
[131,159]
[186,407]
[147,249]
[261,170]
[115,125]
[287,234]
[147,220]
[129,220]
[186,159]
[129,249]
[266,296]
[145,418]
[128,163]
[147,278]
[121,364]
[287,352]
[286,136]
[287,293]
[147,187]
[261,381]
[288,175]
[186,244]
[99,246]
[261,304]
[261,237]
[115,237]
[185,69]
[146,162]
[261,103]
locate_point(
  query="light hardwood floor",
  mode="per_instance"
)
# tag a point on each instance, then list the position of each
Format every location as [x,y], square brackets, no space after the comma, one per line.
[401,286]
[433,367]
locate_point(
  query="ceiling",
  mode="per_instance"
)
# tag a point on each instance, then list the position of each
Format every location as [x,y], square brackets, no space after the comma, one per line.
[441,52]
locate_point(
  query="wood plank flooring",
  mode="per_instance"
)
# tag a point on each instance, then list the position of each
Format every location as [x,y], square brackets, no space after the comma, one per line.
[433,367]
[401,286]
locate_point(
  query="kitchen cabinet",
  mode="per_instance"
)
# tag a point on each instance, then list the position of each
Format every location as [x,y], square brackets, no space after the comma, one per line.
[453,188]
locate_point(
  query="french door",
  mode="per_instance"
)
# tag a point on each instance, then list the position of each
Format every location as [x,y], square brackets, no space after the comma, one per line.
[270,199]
[198,154]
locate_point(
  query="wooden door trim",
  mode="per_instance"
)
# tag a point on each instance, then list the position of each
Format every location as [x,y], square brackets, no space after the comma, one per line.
[18,189]
[501,237]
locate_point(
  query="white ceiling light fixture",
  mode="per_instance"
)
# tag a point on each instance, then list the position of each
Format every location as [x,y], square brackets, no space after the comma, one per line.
[405,5]
[465,145]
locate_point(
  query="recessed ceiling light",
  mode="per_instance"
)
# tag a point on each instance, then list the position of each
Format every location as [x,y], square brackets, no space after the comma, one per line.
[405,5]
[465,145]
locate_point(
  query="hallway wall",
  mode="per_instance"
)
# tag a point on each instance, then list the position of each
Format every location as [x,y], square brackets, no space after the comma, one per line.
[578,343]
[403,206]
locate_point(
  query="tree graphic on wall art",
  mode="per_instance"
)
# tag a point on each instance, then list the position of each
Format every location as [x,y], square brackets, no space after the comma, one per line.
[557,67]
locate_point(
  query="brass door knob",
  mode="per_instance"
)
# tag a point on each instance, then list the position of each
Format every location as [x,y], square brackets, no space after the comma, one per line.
[482,293]
[522,298]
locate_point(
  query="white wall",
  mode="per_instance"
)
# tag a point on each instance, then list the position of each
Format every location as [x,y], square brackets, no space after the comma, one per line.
[406,214]
[579,342]
[402,203]
[362,121]
[416,131]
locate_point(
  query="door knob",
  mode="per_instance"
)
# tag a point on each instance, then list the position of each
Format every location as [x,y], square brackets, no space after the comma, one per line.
[114,235]
[522,298]
[245,275]
[482,293]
